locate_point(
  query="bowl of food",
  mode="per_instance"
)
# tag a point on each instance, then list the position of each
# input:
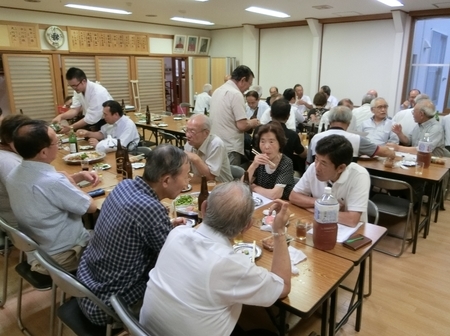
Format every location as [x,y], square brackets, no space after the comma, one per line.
[76,158]
[186,206]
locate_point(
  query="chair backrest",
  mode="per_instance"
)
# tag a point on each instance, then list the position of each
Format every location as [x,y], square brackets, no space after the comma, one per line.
[68,283]
[18,238]
[391,184]
[237,172]
[372,211]
[127,316]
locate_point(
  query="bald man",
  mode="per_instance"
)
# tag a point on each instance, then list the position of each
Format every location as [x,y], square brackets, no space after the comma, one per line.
[206,152]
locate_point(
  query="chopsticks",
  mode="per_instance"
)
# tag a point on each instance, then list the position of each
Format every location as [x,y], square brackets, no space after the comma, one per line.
[254,251]
[254,151]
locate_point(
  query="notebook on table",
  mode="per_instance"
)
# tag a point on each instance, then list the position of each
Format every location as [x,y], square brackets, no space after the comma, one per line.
[356,241]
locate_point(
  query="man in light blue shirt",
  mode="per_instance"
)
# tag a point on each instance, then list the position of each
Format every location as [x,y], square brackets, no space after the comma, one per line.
[379,127]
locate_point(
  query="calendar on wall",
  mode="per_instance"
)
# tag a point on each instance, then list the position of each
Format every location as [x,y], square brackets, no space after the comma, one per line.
[99,41]
[19,36]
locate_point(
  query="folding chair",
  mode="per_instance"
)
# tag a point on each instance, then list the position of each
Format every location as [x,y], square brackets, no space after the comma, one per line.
[5,249]
[167,137]
[69,312]
[39,281]
[237,172]
[127,316]
[394,206]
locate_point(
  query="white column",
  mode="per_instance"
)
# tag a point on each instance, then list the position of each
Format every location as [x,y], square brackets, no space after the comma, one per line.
[250,50]
[316,31]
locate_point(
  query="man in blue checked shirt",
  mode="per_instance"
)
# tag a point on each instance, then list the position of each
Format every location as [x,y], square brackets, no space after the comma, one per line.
[131,230]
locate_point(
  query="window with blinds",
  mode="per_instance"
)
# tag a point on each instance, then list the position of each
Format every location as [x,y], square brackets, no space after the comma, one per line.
[29,79]
[150,74]
[114,75]
[85,63]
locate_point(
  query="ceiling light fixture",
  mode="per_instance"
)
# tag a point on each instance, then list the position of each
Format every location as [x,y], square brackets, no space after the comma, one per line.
[269,12]
[202,22]
[98,9]
[201,0]
[392,3]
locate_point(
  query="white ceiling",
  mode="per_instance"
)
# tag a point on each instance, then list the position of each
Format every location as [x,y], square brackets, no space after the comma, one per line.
[224,13]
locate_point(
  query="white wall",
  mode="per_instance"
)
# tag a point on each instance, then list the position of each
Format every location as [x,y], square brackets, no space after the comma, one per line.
[227,43]
[357,57]
[285,59]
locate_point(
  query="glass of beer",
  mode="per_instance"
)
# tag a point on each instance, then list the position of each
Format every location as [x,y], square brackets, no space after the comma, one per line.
[85,164]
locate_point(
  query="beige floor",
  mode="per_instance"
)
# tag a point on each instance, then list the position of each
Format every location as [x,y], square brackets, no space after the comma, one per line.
[411,295]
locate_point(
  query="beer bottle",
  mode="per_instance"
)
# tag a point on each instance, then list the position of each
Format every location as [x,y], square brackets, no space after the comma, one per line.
[21,112]
[323,128]
[127,171]
[73,145]
[120,154]
[148,118]
[123,106]
[203,194]
[206,112]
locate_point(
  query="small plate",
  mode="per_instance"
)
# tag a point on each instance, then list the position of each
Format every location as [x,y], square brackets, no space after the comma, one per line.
[188,188]
[86,147]
[366,157]
[66,140]
[92,157]
[247,249]
[264,221]
[104,166]
[163,125]
[156,118]
[138,165]
[258,201]
[409,163]
[137,114]
[177,118]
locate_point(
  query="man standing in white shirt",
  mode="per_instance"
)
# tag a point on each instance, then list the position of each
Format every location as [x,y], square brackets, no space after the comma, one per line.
[199,284]
[332,101]
[203,100]
[88,97]
[228,117]
[117,126]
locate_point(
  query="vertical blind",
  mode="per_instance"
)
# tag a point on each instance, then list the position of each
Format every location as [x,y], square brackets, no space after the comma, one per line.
[150,74]
[114,75]
[30,82]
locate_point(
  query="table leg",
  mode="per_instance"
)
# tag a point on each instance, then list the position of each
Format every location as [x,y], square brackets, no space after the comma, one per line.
[325,317]
[282,321]
[362,275]
[332,317]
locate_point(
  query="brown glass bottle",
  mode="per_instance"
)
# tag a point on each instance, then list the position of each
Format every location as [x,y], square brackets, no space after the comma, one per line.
[148,118]
[123,106]
[120,154]
[206,112]
[203,194]
[127,171]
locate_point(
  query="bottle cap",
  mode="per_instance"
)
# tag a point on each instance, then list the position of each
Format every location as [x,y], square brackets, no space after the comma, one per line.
[327,190]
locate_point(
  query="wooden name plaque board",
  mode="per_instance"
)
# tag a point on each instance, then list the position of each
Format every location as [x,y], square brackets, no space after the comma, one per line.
[102,41]
[19,36]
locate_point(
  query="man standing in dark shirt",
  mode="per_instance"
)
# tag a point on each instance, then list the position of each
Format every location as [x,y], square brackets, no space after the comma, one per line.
[280,111]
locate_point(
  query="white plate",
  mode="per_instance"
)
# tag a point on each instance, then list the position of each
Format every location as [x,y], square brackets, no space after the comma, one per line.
[409,163]
[177,118]
[163,125]
[75,157]
[247,249]
[258,201]
[137,114]
[188,188]
[129,107]
[66,140]
[156,118]
[86,147]
[138,165]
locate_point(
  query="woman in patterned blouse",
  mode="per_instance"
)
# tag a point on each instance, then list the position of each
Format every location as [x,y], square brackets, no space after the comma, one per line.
[272,172]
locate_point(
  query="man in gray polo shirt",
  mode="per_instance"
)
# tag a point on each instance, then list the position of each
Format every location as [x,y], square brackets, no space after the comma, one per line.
[47,204]
[206,152]
[340,118]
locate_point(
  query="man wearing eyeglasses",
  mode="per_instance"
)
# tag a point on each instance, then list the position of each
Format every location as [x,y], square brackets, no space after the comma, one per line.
[88,97]
[206,152]
[379,127]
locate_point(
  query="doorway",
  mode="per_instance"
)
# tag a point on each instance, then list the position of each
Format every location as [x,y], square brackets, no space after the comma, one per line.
[176,85]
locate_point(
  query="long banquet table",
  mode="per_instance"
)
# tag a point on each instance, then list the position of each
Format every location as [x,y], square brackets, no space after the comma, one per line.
[433,176]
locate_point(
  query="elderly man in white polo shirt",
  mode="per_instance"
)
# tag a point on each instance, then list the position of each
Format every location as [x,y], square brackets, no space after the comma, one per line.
[206,152]
[228,116]
[117,126]
[350,183]
[203,100]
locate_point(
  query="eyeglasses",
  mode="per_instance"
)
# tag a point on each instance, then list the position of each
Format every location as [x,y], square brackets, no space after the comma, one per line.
[382,107]
[75,86]
[193,132]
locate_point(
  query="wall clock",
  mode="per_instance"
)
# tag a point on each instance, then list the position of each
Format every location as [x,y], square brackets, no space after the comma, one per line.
[55,36]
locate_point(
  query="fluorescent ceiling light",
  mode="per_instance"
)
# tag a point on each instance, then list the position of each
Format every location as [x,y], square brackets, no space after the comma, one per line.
[98,9]
[392,3]
[201,0]
[176,18]
[267,12]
